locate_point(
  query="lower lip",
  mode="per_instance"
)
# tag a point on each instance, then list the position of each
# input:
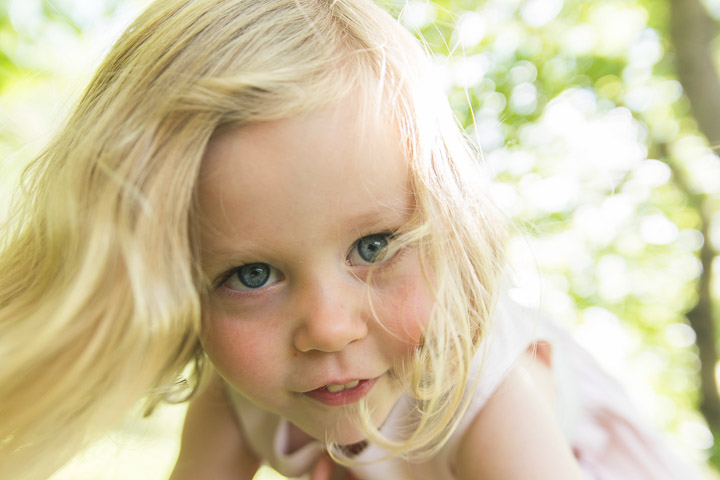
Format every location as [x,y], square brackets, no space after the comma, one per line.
[344,397]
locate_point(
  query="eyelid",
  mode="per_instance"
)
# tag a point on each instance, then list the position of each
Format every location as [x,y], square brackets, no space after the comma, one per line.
[220,280]
[223,278]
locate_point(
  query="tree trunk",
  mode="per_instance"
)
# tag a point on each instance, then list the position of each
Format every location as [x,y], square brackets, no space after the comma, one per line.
[701,320]
[692,32]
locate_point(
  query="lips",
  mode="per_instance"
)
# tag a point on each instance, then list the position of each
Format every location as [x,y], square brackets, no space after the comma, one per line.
[337,394]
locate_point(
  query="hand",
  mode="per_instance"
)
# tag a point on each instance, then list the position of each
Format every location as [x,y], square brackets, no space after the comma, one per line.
[326,469]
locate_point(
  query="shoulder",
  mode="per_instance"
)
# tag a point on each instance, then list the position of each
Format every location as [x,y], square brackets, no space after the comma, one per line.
[516,434]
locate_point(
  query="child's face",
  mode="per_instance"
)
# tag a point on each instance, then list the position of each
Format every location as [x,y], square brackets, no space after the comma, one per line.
[297,210]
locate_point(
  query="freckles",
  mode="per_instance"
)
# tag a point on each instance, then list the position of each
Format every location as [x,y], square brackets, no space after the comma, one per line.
[415,312]
[410,311]
[241,356]
[407,302]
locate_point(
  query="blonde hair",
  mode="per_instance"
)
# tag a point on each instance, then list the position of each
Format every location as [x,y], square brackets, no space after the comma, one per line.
[101,290]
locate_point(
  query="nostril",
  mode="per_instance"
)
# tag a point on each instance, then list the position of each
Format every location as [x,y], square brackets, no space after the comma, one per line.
[330,336]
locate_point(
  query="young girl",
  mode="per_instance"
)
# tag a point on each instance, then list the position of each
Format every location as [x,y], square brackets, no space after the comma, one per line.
[272,193]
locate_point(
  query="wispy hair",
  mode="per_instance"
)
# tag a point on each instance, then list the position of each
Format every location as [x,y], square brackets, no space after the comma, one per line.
[101,290]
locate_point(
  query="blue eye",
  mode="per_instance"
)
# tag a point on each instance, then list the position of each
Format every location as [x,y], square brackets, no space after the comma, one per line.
[252,276]
[370,249]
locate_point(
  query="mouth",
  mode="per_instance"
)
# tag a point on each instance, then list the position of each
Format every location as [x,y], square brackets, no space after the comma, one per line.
[338,394]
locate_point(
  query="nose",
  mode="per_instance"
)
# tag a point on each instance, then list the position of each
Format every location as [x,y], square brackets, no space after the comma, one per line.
[330,316]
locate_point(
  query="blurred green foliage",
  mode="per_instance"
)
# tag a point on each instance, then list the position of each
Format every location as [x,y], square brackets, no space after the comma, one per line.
[584,127]
[580,115]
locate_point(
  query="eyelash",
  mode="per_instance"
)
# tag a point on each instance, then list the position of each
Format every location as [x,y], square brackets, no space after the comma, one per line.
[396,255]
[394,252]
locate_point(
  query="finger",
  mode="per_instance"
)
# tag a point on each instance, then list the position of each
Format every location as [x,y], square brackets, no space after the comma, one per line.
[323,469]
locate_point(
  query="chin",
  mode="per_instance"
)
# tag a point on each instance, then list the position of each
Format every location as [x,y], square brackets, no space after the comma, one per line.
[349,430]
[349,440]
[343,426]
[344,429]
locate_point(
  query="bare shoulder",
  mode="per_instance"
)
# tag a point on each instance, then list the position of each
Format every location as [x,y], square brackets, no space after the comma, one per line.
[213,445]
[516,435]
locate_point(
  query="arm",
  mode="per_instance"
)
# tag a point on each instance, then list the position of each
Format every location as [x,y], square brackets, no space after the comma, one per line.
[212,442]
[516,435]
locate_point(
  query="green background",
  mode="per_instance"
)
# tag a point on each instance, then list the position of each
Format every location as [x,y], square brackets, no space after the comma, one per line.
[597,122]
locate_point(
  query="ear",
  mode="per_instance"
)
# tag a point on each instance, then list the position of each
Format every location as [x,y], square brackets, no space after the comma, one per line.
[542,352]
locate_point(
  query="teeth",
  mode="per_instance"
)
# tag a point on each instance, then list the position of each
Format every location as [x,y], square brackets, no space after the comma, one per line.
[340,388]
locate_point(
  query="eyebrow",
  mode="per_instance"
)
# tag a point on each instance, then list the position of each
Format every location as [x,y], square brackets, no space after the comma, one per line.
[370,220]
[385,215]
[361,224]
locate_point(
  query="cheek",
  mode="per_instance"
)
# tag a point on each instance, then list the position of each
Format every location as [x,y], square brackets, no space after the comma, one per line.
[242,352]
[415,311]
[410,304]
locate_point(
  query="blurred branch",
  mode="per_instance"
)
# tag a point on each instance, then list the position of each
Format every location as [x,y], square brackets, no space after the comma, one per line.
[692,31]
[701,317]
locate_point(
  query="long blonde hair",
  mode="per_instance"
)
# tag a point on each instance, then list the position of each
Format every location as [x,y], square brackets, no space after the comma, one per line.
[100,286]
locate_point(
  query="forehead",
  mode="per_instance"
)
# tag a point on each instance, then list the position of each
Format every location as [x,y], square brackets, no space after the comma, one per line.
[330,170]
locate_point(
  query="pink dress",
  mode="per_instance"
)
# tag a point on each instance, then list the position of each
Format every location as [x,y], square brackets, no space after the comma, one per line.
[608,437]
